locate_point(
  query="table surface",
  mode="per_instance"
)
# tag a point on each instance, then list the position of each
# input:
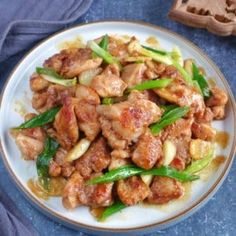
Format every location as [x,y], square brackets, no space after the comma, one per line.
[218,216]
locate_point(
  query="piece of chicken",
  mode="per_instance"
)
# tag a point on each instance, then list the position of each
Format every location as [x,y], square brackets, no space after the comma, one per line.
[179,133]
[59,166]
[65,124]
[132,74]
[124,122]
[217,102]
[99,195]
[38,83]
[77,193]
[180,93]
[71,62]
[30,141]
[86,112]
[117,48]
[95,159]
[203,131]
[148,150]
[53,96]
[218,97]
[108,83]
[132,190]
[154,69]
[73,193]
[165,189]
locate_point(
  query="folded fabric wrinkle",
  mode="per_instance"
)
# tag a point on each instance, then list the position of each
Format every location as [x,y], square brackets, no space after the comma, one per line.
[25,22]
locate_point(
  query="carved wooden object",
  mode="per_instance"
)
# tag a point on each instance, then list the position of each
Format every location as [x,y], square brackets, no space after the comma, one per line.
[217,16]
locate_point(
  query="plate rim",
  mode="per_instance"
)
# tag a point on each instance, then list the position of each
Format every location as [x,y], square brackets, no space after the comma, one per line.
[164,223]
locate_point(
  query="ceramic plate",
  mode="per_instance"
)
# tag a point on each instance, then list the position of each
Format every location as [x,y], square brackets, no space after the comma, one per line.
[133,219]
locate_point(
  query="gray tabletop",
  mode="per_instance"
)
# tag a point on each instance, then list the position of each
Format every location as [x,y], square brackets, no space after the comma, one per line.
[218,216]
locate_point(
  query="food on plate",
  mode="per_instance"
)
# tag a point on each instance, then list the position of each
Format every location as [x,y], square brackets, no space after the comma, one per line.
[119,123]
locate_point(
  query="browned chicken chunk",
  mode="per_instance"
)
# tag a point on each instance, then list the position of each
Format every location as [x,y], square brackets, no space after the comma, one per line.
[108,84]
[86,112]
[132,190]
[74,193]
[218,112]
[66,124]
[99,195]
[203,131]
[53,96]
[71,62]
[148,150]
[95,159]
[29,147]
[180,134]
[218,98]
[132,74]
[30,141]
[217,103]
[77,193]
[38,83]
[124,122]
[180,93]
[165,189]
[59,166]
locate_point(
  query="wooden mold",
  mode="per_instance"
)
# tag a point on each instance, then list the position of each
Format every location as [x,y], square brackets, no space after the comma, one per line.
[217,16]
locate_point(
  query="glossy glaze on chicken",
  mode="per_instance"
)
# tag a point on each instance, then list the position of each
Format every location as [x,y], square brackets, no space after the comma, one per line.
[119,133]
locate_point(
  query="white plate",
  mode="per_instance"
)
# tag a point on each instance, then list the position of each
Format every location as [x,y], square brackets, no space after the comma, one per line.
[133,219]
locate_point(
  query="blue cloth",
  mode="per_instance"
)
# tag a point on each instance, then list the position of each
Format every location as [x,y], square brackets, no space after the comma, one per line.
[217,217]
[23,23]
[12,221]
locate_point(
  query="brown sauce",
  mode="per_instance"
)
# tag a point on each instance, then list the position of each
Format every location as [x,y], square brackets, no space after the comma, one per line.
[37,189]
[97,212]
[75,43]
[212,82]
[152,40]
[212,168]
[56,187]
[222,139]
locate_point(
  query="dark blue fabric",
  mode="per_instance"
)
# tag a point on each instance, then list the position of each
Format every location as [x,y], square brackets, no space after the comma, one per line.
[22,24]
[12,222]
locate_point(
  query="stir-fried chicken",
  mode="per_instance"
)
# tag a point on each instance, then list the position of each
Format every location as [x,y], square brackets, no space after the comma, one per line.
[164,189]
[59,166]
[132,190]
[72,62]
[132,74]
[66,124]
[30,141]
[38,83]
[154,69]
[93,137]
[203,131]
[86,111]
[124,122]
[74,194]
[77,193]
[53,96]
[148,150]
[180,134]
[109,84]
[96,159]
[217,102]
[180,93]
